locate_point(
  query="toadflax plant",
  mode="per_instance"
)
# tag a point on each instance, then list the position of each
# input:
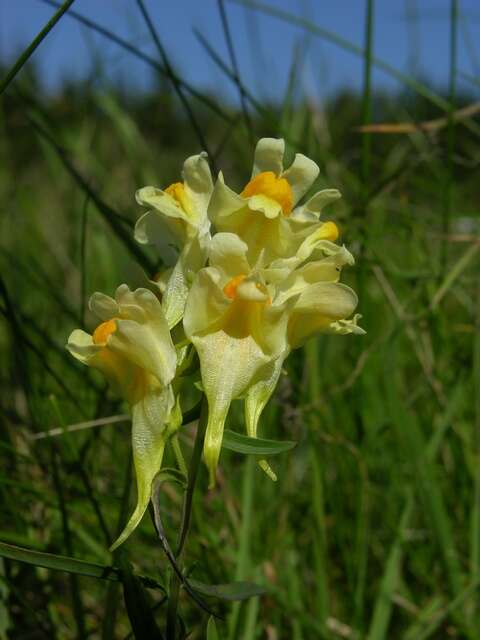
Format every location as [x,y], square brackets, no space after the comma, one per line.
[250,276]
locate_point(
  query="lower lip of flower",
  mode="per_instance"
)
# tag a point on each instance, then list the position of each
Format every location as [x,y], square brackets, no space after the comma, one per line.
[230,289]
[268,184]
[104,331]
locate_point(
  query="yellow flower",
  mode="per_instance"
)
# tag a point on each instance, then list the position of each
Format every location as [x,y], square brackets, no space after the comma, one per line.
[265,214]
[177,223]
[243,322]
[179,211]
[132,347]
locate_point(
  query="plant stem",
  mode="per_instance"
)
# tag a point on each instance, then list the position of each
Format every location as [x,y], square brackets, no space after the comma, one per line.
[186,518]
[192,478]
[179,455]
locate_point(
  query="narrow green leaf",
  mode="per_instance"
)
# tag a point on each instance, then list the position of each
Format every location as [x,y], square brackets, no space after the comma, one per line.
[254,446]
[212,633]
[384,602]
[70,565]
[443,614]
[412,440]
[5,620]
[230,591]
[57,562]
[347,45]
[457,269]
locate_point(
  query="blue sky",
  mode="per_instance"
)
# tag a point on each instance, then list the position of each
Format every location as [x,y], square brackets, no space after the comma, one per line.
[411,35]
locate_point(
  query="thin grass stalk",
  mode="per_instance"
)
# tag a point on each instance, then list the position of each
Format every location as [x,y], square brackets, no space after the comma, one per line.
[83,261]
[25,56]
[320,541]
[116,222]
[236,70]
[345,44]
[174,591]
[362,525]
[384,602]
[113,589]
[77,604]
[367,98]
[475,516]
[127,46]
[412,441]
[174,80]
[243,556]
[449,185]
[382,611]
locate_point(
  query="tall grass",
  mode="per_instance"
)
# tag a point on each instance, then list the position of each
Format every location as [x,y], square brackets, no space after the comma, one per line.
[373,528]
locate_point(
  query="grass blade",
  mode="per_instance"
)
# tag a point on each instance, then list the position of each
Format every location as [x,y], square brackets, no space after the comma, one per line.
[174,80]
[325,34]
[34,44]
[384,602]
[90,24]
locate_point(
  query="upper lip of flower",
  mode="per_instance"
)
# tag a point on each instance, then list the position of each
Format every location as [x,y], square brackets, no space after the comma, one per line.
[180,208]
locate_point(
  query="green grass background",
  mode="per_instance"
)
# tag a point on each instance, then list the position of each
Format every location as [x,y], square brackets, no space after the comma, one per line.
[373,528]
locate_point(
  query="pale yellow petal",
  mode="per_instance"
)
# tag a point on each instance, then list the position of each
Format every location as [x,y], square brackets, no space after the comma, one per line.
[228,366]
[228,253]
[301,175]
[199,186]
[344,327]
[161,202]
[269,156]
[310,211]
[190,261]
[81,346]
[223,203]
[142,335]
[104,307]
[168,235]
[206,303]
[256,399]
[263,204]
[149,434]
[317,307]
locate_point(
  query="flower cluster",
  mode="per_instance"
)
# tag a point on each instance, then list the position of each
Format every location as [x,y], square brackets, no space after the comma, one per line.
[251,276]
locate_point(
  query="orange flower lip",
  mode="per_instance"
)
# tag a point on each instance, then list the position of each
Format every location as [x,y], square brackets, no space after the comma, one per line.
[329,231]
[230,289]
[178,193]
[268,184]
[104,331]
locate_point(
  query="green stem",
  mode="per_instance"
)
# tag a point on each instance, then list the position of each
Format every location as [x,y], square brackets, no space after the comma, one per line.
[33,45]
[186,518]
[179,455]
[192,478]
